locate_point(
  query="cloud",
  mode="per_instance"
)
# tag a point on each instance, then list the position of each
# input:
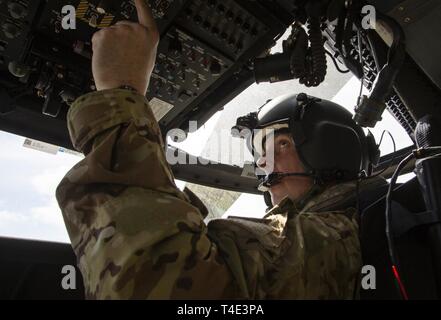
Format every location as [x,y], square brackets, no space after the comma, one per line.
[41,224]
[49,214]
[7,218]
[28,208]
[46,182]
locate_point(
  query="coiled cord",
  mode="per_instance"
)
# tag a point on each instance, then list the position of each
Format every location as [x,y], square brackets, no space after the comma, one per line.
[317,65]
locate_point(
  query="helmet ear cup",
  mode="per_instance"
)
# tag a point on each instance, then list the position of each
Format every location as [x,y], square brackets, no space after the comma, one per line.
[328,141]
[297,131]
[332,148]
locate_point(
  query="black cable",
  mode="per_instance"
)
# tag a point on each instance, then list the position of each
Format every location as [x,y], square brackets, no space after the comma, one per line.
[277,38]
[432,149]
[357,191]
[362,66]
[389,235]
[381,137]
[318,65]
[335,62]
[393,155]
[395,58]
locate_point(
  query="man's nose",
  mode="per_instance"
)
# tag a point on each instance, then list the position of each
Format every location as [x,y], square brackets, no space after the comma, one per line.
[261,162]
[266,163]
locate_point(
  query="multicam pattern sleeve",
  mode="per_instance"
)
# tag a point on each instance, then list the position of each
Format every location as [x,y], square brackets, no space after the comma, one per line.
[135,234]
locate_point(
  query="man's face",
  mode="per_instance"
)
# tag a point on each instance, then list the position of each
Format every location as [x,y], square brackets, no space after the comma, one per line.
[286,160]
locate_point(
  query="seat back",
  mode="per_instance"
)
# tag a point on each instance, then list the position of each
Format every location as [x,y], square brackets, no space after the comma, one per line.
[32,269]
[412,245]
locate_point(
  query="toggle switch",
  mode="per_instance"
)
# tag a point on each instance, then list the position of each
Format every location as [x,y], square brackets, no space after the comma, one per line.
[93,21]
[215,68]
[105,6]
[175,46]
[184,96]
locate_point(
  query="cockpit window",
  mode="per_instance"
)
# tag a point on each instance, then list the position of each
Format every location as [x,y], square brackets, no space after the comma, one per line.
[28,208]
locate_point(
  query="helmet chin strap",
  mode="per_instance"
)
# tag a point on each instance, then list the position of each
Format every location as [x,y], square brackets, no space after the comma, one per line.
[274,178]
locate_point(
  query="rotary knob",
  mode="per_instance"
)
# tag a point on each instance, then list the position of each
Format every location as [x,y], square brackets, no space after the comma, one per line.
[239,46]
[254,32]
[215,68]
[206,25]
[170,90]
[246,27]
[197,19]
[211,3]
[19,70]
[17,10]
[230,15]
[10,30]
[184,96]
[221,9]
[175,46]
[2,46]
[192,55]
[238,21]
[188,12]
[169,68]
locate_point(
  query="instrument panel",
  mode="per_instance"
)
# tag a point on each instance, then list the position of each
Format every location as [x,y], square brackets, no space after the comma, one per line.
[204,51]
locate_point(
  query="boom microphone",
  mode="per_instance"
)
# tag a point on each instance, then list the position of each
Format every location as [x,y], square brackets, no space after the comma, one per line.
[274,178]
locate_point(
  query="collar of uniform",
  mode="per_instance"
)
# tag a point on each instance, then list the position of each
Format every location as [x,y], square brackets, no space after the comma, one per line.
[294,207]
[341,194]
[285,205]
[313,192]
[321,198]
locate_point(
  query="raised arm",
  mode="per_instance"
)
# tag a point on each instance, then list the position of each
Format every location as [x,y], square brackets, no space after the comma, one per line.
[135,234]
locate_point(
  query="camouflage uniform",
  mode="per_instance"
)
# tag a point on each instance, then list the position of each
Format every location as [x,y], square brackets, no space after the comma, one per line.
[137,236]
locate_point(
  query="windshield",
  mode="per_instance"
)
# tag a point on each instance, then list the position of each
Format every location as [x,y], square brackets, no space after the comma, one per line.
[28,208]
